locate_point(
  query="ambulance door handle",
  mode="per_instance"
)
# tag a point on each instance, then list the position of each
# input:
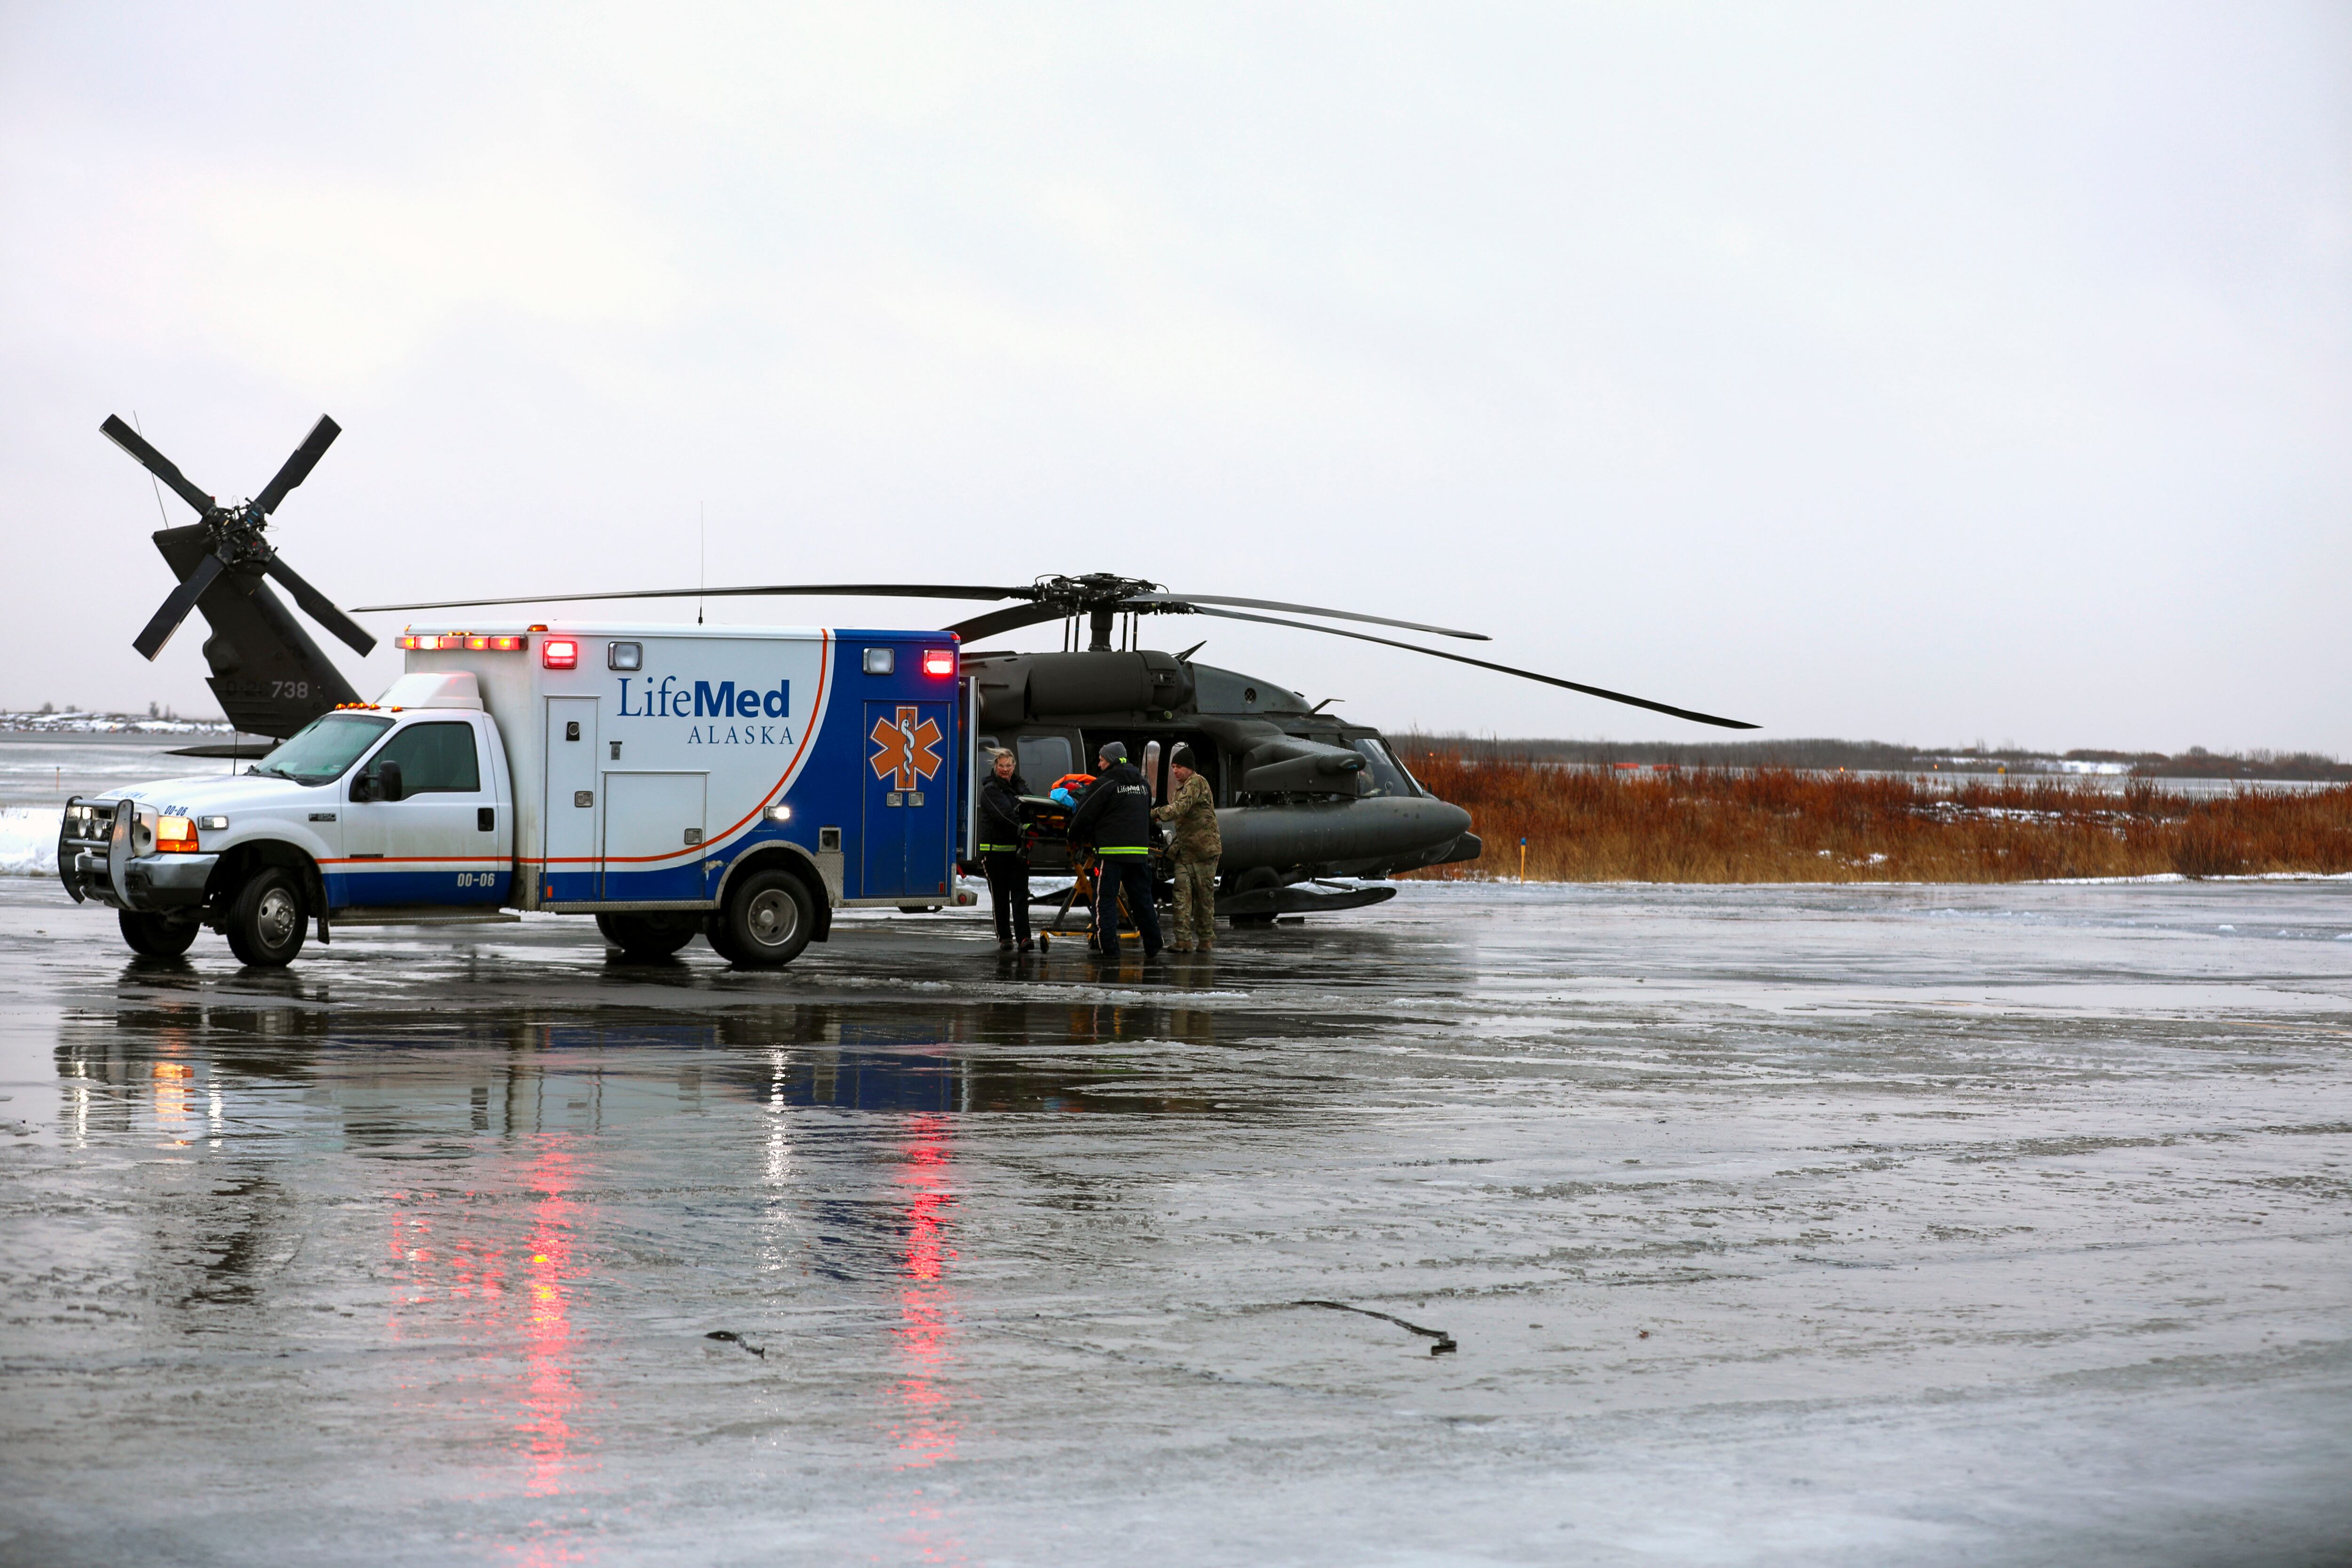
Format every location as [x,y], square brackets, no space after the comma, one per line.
[571,729]
[583,797]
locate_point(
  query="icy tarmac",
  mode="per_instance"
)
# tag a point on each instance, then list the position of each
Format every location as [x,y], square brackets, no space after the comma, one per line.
[1819,1225]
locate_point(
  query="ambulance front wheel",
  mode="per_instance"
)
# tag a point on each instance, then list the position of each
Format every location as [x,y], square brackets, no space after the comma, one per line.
[768,917]
[158,936]
[265,919]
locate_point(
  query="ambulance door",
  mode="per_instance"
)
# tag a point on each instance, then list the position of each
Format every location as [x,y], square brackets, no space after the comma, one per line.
[906,837]
[568,817]
[653,835]
[437,844]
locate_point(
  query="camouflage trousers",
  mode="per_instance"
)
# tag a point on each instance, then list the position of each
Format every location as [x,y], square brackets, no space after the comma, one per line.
[1196,902]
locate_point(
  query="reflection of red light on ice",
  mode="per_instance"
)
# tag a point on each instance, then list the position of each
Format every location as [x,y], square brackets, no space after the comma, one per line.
[926,1431]
[551,1393]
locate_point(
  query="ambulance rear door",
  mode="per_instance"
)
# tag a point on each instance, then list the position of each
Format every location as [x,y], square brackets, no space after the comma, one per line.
[907,840]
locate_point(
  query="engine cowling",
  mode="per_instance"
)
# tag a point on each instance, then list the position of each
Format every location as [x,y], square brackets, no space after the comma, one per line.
[1294,766]
[1070,685]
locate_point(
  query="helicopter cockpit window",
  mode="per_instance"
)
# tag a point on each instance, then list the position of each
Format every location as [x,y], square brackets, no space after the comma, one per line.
[1381,775]
[1042,758]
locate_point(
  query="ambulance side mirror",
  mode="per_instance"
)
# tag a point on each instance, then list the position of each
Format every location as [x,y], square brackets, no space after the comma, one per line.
[383,780]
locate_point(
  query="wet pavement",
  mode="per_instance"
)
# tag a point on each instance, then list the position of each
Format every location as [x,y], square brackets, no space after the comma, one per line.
[1821,1225]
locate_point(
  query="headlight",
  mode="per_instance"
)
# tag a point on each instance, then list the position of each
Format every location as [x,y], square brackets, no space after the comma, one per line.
[143,831]
[175,836]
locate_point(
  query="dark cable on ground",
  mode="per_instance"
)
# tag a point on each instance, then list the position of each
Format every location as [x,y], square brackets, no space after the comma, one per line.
[1445,1346]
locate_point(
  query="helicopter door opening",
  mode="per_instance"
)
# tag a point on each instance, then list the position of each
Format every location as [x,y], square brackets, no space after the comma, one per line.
[1207,762]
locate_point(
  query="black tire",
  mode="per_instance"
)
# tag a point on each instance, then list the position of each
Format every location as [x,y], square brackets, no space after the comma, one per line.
[648,937]
[768,917]
[158,936]
[714,931]
[266,923]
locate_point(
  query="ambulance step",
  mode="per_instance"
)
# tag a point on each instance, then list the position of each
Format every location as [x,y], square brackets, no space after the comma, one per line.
[420,917]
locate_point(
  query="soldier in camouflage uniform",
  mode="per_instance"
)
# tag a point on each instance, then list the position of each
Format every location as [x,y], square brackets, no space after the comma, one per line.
[1192,852]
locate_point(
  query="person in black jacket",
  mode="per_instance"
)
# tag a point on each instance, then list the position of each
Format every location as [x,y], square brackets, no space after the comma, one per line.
[1115,816]
[999,853]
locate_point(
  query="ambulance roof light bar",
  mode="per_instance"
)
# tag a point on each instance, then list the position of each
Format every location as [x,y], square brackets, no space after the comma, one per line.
[431,641]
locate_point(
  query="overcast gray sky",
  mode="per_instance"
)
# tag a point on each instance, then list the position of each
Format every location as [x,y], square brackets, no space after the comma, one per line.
[1917,372]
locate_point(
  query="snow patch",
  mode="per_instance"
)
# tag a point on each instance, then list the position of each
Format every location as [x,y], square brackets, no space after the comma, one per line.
[28,841]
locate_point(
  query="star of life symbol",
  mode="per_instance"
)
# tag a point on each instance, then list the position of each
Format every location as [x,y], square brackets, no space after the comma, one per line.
[906,748]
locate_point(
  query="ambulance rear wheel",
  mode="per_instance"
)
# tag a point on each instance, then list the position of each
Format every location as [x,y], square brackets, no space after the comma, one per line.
[265,919]
[768,917]
[157,936]
[648,937]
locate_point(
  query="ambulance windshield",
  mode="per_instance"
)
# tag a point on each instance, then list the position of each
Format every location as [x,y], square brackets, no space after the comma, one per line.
[322,750]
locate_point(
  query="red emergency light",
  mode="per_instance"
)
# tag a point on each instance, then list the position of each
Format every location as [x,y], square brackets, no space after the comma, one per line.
[560,653]
[939,661]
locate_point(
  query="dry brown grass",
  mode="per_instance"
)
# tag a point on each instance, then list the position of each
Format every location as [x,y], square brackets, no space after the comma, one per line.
[1778,826]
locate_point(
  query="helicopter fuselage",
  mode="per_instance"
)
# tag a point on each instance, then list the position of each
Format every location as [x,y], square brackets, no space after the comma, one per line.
[1301,794]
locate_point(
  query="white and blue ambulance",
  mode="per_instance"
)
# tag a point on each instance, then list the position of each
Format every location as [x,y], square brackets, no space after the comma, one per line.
[740,783]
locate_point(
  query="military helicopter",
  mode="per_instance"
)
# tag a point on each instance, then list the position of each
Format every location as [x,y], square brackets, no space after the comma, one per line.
[1304,797]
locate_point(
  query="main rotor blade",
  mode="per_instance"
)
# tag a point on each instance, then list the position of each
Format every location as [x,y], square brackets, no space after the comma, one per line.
[175,609]
[847,590]
[155,463]
[1011,619]
[296,468]
[1483,664]
[318,607]
[1305,610]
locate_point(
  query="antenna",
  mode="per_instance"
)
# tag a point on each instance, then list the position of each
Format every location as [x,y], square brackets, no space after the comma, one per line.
[159,499]
[701,556]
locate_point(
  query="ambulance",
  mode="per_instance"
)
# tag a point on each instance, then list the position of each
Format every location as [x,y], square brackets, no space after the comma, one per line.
[738,783]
